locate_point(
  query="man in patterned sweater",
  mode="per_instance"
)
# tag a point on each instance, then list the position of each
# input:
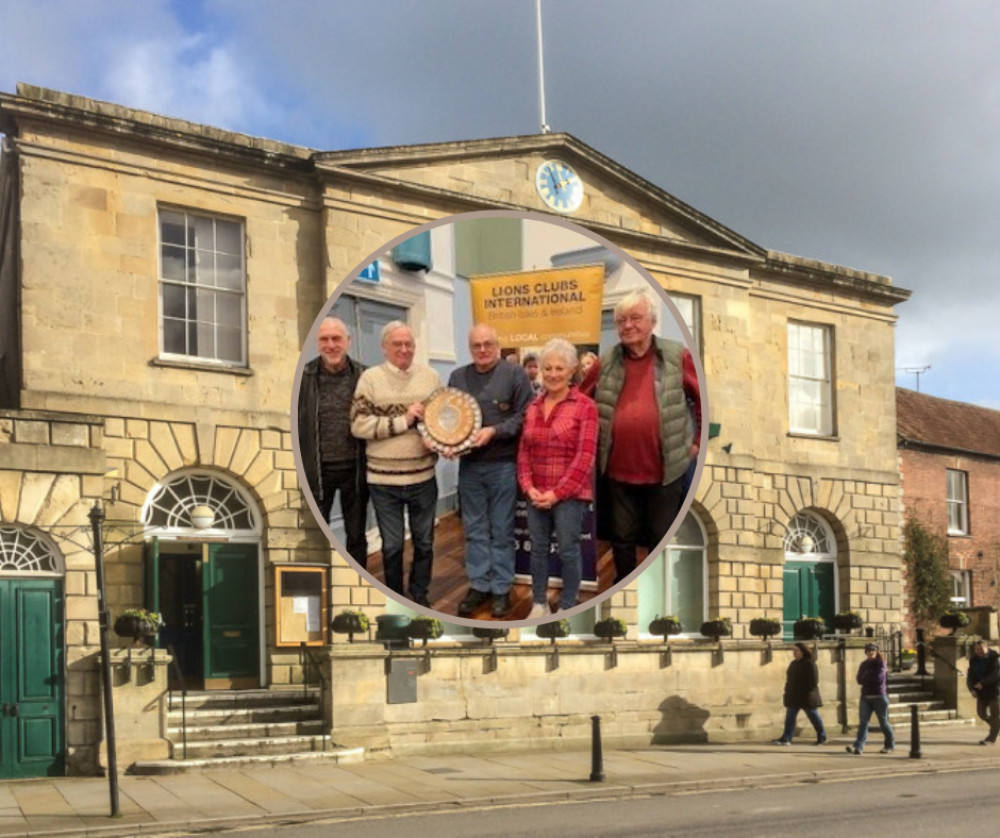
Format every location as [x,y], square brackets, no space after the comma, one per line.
[388,403]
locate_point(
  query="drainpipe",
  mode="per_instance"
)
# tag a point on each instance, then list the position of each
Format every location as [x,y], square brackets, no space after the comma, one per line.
[96,520]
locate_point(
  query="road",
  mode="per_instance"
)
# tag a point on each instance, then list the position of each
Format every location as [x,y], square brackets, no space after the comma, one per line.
[960,802]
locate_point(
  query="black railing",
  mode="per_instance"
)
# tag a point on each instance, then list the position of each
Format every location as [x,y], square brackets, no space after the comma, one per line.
[308,660]
[179,676]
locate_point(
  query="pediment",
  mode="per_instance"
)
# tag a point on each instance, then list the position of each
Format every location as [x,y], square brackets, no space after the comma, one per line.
[500,173]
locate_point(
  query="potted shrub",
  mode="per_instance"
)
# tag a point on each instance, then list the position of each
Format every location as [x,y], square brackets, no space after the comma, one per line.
[666,626]
[907,658]
[954,620]
[425,628]
[490,634]
[847,621]
[610,627]
[809,628]
[716,628]
[554,629]
[138,623]
[350,623]
[765,627]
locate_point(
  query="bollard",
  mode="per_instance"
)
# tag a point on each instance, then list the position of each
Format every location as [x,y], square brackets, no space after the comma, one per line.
[914,732]
[921,653]
[596,760]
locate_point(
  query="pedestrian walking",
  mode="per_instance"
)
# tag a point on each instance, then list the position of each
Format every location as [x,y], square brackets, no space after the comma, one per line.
[802,693]
[983,681]
[872,676]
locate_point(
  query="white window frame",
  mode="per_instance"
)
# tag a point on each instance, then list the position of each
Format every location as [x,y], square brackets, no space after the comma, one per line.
[200,285]
[805,374]
[957,495]
[961,588]
[689,307]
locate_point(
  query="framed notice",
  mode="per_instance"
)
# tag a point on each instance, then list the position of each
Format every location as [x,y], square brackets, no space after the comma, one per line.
[301,605]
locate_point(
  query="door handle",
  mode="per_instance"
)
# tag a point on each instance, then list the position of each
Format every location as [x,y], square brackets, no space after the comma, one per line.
[10,709]
[13,709]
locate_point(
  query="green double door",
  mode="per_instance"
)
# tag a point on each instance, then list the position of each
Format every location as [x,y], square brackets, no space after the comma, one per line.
[32,732]
[809,591]
[209,599]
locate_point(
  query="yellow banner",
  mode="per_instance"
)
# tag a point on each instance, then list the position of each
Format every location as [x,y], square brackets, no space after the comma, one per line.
[530,307]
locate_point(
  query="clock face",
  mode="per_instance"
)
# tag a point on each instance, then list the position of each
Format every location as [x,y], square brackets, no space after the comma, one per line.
[559,186]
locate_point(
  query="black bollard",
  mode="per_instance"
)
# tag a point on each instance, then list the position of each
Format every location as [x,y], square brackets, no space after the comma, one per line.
[914,732]
[596,760]
[921,653]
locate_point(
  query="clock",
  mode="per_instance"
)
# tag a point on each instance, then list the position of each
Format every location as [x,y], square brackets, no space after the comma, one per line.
[559,187]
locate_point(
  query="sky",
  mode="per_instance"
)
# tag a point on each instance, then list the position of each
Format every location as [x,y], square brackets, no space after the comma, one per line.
[865,133]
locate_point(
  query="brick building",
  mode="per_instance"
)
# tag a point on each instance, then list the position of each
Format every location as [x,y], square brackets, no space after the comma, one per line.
[157,282]
[949,456]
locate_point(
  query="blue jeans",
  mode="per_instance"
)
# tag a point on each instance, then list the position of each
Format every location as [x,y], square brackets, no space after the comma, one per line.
[566,520]
[879,705]
[419,501]
[792,713]
[487,492]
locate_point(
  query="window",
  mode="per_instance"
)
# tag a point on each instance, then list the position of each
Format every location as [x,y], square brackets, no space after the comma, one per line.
[202,287]
[958,502]
[961,588]
[810,394]
[675,581]
[689,309]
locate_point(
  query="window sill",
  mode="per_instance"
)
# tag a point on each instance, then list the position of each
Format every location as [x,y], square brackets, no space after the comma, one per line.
[820,437]
[959,535]
[200,366]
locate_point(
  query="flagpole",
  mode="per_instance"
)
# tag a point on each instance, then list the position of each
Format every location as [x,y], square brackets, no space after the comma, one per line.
[541,67]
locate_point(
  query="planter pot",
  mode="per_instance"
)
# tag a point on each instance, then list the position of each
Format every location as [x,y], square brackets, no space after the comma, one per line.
[425,629]
[716,629]
[135,627]
[764,627]
[954,621]
[391,630]
[349,624]
[609,629]
[665,628]
[808,629]
[847,622]
[490,634]
[557,628]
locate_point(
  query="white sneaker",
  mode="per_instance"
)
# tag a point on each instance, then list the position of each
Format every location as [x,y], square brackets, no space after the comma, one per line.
[539,609]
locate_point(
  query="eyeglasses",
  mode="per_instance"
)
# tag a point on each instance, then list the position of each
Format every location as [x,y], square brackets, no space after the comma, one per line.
[630,318]
[486,344]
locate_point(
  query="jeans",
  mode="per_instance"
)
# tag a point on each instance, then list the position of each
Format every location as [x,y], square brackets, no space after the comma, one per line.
[640,515]
[989,712]
[353,490]
[879,705]
[566,519]
[487,492]
[791,714]
[419,501]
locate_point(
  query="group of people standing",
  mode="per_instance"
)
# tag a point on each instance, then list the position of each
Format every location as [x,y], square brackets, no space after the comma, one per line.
[802,694]
[631,442]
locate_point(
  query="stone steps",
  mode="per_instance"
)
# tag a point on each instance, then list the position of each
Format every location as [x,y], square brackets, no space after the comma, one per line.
[178,766]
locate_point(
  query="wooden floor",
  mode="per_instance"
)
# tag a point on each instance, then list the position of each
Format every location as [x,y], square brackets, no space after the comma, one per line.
[449,583]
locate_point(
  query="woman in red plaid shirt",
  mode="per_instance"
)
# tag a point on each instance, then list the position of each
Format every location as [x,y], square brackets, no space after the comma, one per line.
[555,469]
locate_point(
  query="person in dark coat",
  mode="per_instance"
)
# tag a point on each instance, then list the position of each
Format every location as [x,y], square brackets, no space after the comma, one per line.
[802,693]
[333,460]
[874,699]
[983,681]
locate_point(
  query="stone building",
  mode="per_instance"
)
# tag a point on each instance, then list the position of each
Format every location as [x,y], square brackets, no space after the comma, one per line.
[157,281]
[949,455]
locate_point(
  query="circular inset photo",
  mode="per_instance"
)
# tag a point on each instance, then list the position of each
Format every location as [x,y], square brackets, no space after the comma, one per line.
[498,417]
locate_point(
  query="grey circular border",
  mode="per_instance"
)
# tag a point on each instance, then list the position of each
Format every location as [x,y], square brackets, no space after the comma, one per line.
[344,284]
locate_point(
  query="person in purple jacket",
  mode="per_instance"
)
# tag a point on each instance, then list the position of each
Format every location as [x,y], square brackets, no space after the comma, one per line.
[874,699]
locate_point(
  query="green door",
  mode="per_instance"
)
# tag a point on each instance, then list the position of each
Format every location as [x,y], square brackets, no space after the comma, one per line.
[808,592]
[31,678]
[231,625]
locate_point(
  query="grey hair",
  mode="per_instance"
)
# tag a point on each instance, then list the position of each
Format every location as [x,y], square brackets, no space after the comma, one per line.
[562,348]
[338,322]
[634,299]
[391,327]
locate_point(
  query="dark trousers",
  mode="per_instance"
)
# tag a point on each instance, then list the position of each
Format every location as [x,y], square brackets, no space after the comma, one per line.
[640,515]
[989,712]
[419,503]
[353,490]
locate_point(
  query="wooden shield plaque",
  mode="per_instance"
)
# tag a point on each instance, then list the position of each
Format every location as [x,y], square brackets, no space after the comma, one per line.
[451,418]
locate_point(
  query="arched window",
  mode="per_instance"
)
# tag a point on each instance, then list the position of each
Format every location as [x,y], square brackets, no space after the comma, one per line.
[25,551]
[675,582]
[809,538]
[190,500]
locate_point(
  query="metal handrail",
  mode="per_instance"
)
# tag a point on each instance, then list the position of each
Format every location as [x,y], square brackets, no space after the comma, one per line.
[307,653]
[170,695]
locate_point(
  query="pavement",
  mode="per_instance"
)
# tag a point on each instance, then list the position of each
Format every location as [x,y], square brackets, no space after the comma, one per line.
[221,800]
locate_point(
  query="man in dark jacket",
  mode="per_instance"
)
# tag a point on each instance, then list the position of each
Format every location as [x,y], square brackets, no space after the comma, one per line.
[334,460]
[983,681]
